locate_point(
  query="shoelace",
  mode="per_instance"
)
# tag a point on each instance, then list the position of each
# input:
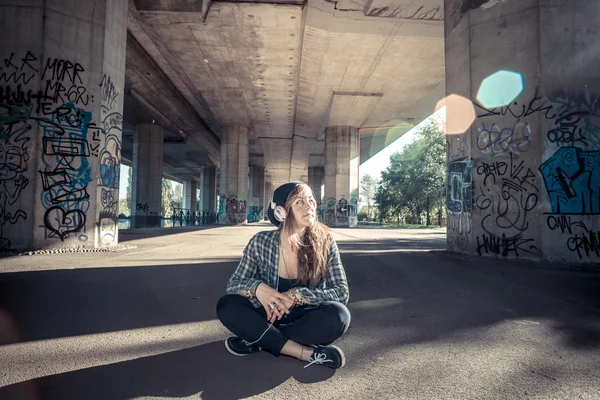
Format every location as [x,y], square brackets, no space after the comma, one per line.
[320,359]
[251,345]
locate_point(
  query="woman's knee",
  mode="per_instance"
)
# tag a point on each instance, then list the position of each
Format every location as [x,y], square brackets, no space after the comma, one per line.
[338,313]
[228,305]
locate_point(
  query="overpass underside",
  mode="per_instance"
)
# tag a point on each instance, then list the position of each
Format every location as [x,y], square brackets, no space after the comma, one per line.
[232,98]
[236,98]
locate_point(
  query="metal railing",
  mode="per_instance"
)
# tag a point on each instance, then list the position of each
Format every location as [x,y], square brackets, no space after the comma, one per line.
[186,217]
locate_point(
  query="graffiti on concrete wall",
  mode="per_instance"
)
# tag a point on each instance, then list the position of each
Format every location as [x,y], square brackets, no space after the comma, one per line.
[14,156]
[72,147]
[330,211]
[508,187]
[494,140]
[572,178]
[235,210]
[110,134]
[506,199]
[66,171]
[571,173]
[459,201]
[320,212]
[255,213]
[342,212]
[353,212]
[510,190]
[459,193]
[581,240]
[456,146]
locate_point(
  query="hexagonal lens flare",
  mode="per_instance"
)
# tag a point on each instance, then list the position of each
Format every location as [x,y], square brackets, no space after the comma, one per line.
[459,114]
[500,89]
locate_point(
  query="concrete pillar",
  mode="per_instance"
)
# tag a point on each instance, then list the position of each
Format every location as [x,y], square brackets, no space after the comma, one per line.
[189,202]
[208,190]
[189,195]
[146,198]
[523,176]
[257,194]
[268,197]
[316,179]
[234,175]
[61,100]
[341,176]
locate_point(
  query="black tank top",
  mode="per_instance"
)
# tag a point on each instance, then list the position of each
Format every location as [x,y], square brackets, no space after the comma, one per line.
[286,284]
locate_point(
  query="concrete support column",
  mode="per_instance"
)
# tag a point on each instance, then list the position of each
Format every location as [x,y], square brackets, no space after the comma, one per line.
[522,170]
[208,190]
[234,175]
[63,69]
[268,197]
[341,176]
[316,179]
[146,198]
[189,195]
[257,194]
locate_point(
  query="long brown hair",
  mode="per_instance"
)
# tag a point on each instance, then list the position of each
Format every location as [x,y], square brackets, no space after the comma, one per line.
[312,244]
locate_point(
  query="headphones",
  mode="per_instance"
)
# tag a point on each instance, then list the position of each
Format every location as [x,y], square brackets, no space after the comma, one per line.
[279,212]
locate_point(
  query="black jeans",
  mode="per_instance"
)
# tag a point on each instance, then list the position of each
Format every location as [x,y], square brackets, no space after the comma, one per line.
[321,324]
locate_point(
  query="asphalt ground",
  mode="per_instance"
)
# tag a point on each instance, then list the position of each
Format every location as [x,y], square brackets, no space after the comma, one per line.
[141,323]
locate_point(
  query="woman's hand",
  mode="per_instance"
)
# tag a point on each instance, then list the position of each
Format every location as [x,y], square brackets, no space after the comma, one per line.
[297,298]
[268,296]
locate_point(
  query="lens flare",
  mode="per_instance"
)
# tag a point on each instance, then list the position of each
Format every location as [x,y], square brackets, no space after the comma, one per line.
[459,114]
[500,89]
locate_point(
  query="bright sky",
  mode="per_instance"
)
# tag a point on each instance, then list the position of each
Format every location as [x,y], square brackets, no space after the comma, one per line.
[123,181]
[380,161]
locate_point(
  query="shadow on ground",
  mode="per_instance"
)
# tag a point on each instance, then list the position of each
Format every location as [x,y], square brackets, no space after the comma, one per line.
[398,298]
[203,369]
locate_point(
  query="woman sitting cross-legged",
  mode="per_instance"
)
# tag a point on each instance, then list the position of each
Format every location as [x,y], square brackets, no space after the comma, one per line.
[289,292]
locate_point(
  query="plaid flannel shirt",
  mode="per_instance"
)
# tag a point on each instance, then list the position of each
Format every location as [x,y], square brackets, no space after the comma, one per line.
[260,263]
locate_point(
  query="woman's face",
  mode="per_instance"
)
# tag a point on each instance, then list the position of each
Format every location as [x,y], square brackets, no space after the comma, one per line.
[303,210]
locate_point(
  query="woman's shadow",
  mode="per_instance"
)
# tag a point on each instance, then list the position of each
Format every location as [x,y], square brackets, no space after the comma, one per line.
[207,370]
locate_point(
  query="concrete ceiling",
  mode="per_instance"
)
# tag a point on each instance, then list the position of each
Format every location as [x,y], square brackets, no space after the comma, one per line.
[287,70]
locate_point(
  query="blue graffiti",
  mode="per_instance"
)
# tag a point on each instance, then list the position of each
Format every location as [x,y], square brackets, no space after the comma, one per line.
[255,214]
[67,171]
[572,178]
[459,194]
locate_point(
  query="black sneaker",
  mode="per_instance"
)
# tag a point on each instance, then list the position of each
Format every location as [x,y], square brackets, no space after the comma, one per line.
[239,347]
[329,356]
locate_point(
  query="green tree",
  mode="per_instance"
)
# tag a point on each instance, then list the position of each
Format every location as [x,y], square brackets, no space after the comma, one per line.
[125,206]
[167,198]
[368,188]
[177,195]
[411,184]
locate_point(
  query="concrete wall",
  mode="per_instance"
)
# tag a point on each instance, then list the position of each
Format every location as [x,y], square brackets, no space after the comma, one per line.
[234,175]
[146,197]
[524,179]
[256,192]
[341,176]
[61,100]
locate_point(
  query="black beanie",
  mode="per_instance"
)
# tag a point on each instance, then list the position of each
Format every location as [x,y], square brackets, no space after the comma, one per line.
[279,198]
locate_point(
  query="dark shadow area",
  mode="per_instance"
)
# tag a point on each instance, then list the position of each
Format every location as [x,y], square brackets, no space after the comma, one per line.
[59,303]
[205,369]
[396,299]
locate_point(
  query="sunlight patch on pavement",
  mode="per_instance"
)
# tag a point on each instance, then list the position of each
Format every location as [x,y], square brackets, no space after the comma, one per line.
[36,359]
[369,304]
